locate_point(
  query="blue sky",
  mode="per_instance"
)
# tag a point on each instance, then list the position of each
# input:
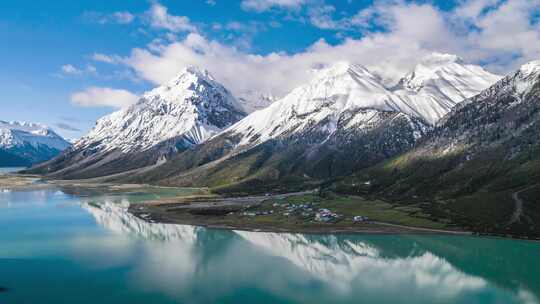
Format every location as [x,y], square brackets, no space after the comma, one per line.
[66,63]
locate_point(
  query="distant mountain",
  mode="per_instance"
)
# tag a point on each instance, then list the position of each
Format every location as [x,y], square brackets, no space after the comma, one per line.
[344,120]
[480,165]
[252,101]
[24,144]
[178,115]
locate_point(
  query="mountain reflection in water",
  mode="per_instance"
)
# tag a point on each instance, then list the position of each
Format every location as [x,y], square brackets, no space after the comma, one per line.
[200,265]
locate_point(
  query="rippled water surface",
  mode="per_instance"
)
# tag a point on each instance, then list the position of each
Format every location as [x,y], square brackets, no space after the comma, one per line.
[59,248]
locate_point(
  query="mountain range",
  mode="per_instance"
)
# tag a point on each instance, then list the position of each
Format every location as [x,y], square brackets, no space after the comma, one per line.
[344,112]
[23,144]
[448,136]
[479,165]
[167,120]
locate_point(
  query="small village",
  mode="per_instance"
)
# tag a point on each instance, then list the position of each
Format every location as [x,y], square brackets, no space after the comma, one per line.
[307,211]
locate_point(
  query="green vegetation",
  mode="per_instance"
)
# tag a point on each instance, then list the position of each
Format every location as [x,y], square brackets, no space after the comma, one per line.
[350,206]
[475,192]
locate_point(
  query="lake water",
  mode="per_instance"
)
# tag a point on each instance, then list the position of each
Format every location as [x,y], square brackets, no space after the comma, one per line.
[59,248]
[4,170]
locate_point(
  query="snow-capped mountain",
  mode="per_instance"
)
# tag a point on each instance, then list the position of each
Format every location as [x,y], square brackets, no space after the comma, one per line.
[436,84]
[503,111]
[28,143]
[252,101]
[192,105]
[176,116]
[343,120]
[485,150]
[14,134]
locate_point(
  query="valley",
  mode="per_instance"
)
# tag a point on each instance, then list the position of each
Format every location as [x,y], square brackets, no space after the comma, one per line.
[267,212]
[295,212]
[450,147]
[270,151]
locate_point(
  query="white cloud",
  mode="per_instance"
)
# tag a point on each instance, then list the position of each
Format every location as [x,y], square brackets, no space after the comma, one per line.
[103,97]
[69,69]
[123,17]
[116,17]
[264,5]
[321,16]
[91,69]
[159,18]
[111,59]
[482,31]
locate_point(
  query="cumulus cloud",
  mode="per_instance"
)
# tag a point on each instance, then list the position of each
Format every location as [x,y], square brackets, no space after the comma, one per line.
[159,18]
[104,97]
[499,35]
[264,5]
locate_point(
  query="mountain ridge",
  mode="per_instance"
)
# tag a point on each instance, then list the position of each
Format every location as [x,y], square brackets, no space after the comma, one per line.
[479,165]
[171,118]
[344,107]
[24,143]
[343,112]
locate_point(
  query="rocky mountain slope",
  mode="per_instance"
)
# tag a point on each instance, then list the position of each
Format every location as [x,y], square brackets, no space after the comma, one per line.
[345,119]
[480,164]
[24,144]
[178,115]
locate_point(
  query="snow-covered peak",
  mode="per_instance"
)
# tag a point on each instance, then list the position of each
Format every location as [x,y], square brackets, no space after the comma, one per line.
[189,75]
[527,76]
[253,100]
[531,67]
[437,83]
[340,68]
[333,91]
[192,105]
[530,70]
[14,134]
[447,71]
[436,58]
[25,126]
[517,83]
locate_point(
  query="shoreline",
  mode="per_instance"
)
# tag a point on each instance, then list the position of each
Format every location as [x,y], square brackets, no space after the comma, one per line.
[148,213]
[322,230]
[167,212]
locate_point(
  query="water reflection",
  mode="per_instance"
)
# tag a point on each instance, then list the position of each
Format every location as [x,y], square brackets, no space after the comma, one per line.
[198,265]
[53,245]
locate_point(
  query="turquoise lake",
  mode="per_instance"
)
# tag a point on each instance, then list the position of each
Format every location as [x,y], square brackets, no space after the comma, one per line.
[61,248]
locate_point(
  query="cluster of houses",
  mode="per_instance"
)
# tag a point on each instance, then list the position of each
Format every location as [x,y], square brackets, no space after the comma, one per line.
[327,216]
[304,210]
[359,219]
[307,211]
[257,213]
